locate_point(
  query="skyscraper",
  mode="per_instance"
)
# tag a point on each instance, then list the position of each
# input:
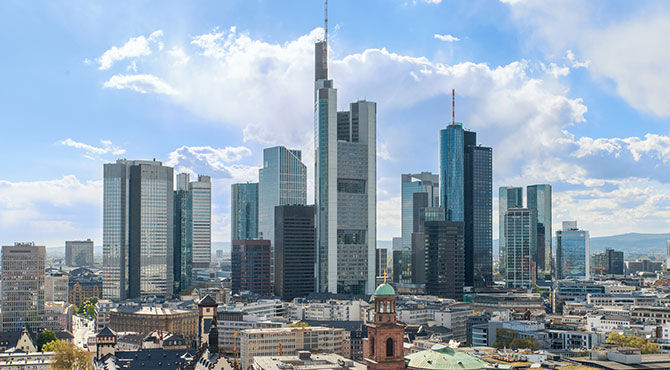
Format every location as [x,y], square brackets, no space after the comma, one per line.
[478,192]
[381,261]
[250,265]
[424,182]
[201,194]
[295,251]
[520,238]
[79,253]
[23,286]
[452,192]
[572,252]
[137,229]
[183,234]
[423,215]
[445,273]
[508,197]
[539,201]
[244,211]
[402,266]
[345,187]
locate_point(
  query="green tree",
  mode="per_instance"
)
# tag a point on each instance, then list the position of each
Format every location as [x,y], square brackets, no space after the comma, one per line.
[51,346]
[87,308]
[67,356]
[642,344]
[45,337]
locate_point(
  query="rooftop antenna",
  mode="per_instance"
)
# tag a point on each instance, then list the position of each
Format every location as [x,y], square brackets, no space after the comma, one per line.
[325,16]
[453,106]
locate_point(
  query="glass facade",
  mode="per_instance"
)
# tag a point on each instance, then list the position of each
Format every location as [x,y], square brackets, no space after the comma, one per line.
[424,182]
[244,211]
[445,263]
[539,201]
[201,195]
[115,231]
[520,238]
[482,222]
[572,252]
[79,253]
[451,172]
[183,239]
[508,197]
[23,282]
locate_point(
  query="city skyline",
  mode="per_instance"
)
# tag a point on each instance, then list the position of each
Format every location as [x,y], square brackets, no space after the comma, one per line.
[578,142]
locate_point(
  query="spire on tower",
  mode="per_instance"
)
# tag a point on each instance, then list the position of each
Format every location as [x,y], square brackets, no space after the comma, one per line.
[453,106]
[325,27]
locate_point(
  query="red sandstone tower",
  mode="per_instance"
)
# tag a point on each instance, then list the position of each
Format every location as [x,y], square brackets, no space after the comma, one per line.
[383,348]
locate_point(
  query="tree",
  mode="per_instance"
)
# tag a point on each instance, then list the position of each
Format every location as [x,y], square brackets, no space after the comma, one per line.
[68,356]
[642,344]
[87,308]
[45,337]
[50,347]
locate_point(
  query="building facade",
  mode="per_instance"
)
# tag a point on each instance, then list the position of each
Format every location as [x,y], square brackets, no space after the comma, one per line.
[520,238]
[23,275]
[445,271]
[138,233]
[383,348]
[402,266]
[572,252]
[381,261]
[508,197]
[609,262]
[452,171]
[250,261]
[295,251]
[424,182]
[345,187]
[79,253]
[244,211]
[478,195]
[424,214]
[145,320]
[539,202]
[201,218]
[183,234]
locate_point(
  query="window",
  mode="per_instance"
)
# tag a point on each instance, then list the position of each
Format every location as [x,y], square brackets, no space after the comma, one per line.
[372,346]
[351,186]
[389,347]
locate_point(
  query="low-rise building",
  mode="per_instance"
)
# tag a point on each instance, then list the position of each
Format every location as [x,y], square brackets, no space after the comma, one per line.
[145,319]
[306,360]
[83,283]
[572,339]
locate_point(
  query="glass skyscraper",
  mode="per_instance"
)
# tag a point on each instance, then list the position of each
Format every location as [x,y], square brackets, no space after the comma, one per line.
[345,187]
[451,172]
[478,216]
[572,252]
[183,234]
[138,230]
[424,182]
[520,238]
[508,197]
[244,211]
[444,259]
[539,201]
[201,194]
[281,181]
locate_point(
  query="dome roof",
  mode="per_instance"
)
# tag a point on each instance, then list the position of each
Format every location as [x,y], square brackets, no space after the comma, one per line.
[442,357]
[385,289]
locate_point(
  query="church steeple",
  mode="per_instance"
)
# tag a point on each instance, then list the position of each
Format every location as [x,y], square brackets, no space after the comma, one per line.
[383,349]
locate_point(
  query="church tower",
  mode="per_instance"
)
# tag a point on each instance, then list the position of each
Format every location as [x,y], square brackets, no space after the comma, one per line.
[206,319]
[383,348]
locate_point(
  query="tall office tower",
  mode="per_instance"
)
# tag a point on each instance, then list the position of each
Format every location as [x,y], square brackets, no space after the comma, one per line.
[445,273]
[478,196]
[250,260]
[609,262]
[201,194]
[345,187]
[572,252]
[452,193]
[381,261]
[138,229]
[410,184]
[423,214]
[183,234]
[508,197]
[295,251]
[23,284]
[539,201]
[402,266]
[521,243]
[244,211]
[79,253]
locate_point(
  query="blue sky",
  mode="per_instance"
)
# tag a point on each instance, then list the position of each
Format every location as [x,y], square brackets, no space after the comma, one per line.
[571,93]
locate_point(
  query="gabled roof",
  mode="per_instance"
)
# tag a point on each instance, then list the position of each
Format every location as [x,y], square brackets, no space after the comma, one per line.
[106,332]
[207,301]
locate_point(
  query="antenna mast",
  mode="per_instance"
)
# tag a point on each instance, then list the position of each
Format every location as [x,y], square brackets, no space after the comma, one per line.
[325,14]
[453,106]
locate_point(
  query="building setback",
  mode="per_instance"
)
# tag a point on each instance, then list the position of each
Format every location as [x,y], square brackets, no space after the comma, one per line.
[424,183]
[250,261]
[23,276]
[79,253]
[520,239]
[508,197]
[424,214]
[445,273]
[244,211]
[138,233]
[345,187]
[295,251]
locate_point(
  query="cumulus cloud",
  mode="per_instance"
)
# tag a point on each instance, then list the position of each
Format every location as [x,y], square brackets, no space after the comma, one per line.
[107,147]
[446,37]
[142,83]
[135,47]
[213,161]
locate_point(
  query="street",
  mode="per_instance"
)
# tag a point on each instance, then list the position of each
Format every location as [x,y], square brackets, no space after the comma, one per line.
[82,329]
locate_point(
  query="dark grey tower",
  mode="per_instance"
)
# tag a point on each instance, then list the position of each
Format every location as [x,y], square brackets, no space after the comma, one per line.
[295,251]
[445,259]
[508,197]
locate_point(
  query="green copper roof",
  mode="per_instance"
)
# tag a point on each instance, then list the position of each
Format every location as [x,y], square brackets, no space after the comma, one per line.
[441,357]
[385,289]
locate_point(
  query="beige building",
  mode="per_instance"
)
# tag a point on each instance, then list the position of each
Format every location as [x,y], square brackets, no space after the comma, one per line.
[145,319]
[306,360]
[288,341]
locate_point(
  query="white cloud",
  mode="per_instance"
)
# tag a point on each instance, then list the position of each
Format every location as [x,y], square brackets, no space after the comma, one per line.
[213,161]
[107,147]
[135,47]
[446,37]
[142,83]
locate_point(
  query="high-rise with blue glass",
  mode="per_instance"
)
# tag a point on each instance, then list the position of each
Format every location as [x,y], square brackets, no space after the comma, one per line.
[452,177]
[539,201]
[345,187]
[572,252]
[424,182]
[244,211]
